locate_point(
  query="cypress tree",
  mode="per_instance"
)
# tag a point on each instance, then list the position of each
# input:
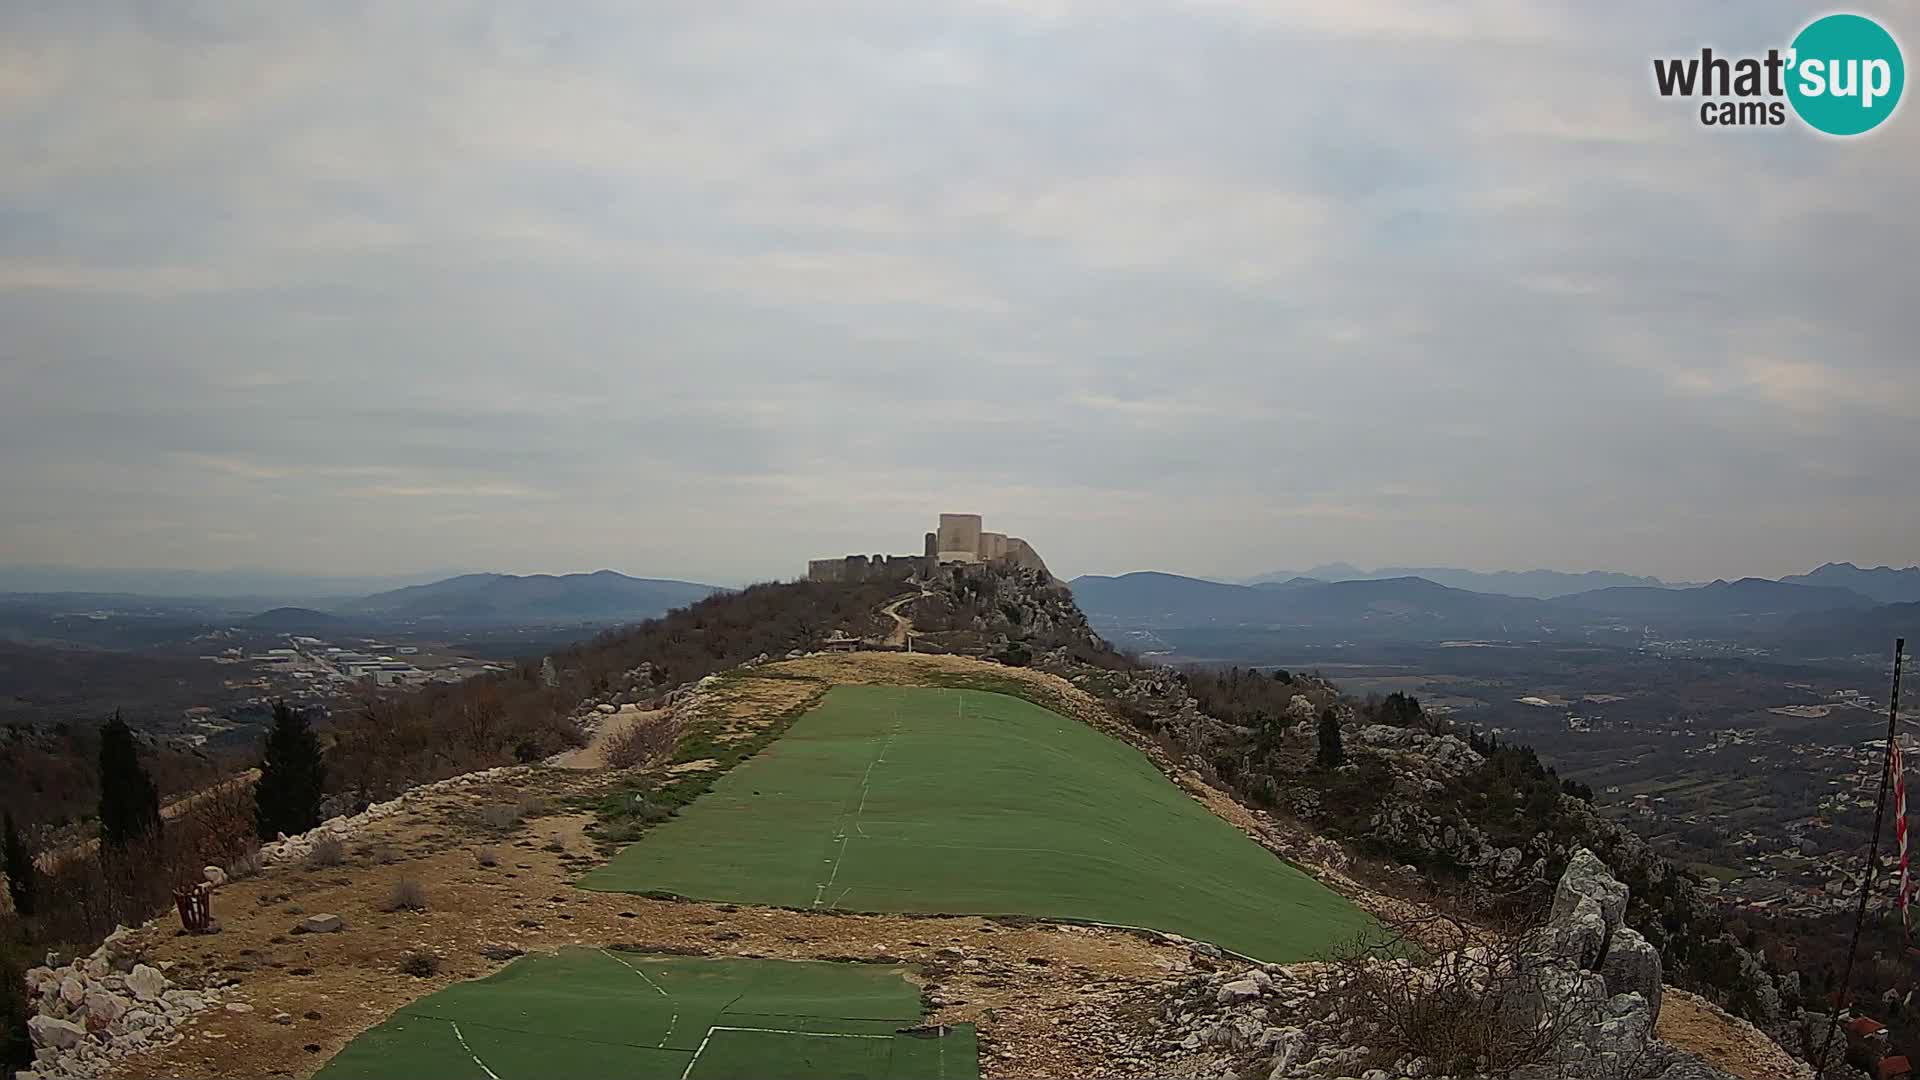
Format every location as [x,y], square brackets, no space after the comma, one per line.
[1331,754]
[292,775]
[19,865]
[129,803]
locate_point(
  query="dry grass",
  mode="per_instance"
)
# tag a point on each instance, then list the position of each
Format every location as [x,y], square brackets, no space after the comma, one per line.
[1476,1007]
[245,865]
[329,851]
[641,744]
[407,895]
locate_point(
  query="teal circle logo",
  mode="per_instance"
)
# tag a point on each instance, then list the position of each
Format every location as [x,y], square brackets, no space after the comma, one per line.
[1845,74]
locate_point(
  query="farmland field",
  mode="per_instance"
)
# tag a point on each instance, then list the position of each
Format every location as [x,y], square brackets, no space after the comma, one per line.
[592,1012]
[910,799]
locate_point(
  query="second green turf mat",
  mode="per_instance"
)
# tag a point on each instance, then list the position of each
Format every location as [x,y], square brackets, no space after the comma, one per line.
[964,802]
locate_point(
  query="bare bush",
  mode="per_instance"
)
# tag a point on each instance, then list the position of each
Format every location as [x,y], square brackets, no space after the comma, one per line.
[247,864]
[499,816]
[642,744]
[421,965]
[486,857]
[1482,1006]
[407,895]
[531,806]
[327,851]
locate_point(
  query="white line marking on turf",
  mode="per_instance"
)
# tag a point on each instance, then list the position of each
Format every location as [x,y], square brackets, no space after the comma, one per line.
[820,890]
[643,976]
[708,1037]
[471,1054]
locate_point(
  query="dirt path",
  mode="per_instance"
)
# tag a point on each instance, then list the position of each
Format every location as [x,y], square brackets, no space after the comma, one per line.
[594,754]
[902,626]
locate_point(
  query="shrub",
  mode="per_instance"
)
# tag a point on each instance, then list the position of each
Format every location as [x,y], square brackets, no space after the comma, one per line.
[327,851]
[247,864]
[19,868]
[407,895]
[642,744]
[1329,754]
[531,806]
[486,856]
[499,816]
[1476,1007]
[422,965]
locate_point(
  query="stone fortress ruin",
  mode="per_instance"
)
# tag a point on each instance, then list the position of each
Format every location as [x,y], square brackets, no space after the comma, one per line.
[958,541]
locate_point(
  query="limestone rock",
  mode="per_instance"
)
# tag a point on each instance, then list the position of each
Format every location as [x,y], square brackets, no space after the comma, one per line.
[215,876]
[58,1034]
[145,982]
[105,1007]
[1586,876]
[1632,966]
[323,924]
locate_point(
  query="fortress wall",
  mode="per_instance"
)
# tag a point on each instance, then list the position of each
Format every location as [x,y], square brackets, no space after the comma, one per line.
[1020,553]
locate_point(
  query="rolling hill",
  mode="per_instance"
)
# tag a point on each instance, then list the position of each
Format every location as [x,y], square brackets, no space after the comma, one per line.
[601,595]
[1168,600]
[1721,599]
[1882,583]
[1535,584]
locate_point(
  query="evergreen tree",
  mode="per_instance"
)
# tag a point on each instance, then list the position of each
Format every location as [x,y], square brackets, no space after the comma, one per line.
[292,775]
[19,866]
[129,803]
[1331,754]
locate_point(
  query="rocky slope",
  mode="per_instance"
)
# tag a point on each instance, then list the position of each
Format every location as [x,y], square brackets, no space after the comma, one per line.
[1577,998]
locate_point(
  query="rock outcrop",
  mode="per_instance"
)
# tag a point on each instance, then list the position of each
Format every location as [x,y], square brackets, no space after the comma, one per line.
[1581,995]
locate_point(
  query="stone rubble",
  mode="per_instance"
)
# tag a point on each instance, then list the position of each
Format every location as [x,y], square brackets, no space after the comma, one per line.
[90,1013]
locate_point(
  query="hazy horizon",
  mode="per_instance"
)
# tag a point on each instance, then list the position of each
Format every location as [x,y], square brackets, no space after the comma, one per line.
[1215,288]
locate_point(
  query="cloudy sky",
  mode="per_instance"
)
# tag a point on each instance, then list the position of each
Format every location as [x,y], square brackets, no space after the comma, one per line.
[703,289]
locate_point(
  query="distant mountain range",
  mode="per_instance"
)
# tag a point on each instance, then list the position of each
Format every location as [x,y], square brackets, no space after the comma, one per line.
[244,585]
[1419,609]
[1882,583]
[602,595]
[1168,600]
[1748,596]
[1539,584]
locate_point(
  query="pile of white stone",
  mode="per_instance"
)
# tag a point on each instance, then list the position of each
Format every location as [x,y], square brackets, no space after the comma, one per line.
[95,1010]
[292,848]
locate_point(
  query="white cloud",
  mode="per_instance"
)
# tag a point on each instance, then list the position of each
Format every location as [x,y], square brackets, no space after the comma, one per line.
[541,286]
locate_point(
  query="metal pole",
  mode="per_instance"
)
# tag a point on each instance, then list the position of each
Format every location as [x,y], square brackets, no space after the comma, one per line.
[1873,856]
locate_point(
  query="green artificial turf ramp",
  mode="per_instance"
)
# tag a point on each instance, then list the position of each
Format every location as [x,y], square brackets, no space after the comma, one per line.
[967,802]
[589,1012]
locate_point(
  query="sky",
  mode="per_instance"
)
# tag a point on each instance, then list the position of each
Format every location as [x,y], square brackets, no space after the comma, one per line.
[703,290]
